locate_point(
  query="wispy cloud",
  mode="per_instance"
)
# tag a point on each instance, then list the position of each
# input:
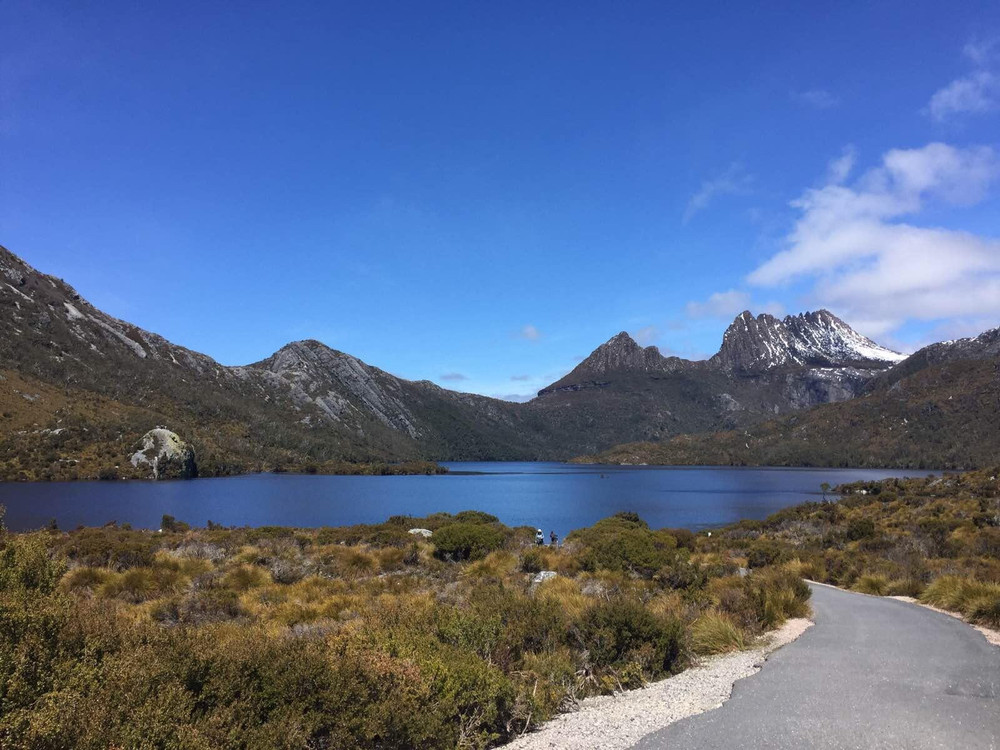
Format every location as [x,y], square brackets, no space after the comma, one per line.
[974,93]
[453,377]
[818,98]
[646,335]
[982,51]
[529,332]
[520,378]
[734,181]
[851,245]
[729,304]
[839,169]
[720,305]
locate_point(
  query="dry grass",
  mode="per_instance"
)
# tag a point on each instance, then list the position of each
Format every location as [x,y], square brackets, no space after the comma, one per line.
[715,633]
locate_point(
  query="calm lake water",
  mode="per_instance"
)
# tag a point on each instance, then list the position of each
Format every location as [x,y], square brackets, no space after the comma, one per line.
[552,496]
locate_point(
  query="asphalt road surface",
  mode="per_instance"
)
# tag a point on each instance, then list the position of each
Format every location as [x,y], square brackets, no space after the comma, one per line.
[871,673]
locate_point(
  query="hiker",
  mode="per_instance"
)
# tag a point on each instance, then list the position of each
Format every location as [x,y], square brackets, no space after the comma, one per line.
[553,538]
[539,537]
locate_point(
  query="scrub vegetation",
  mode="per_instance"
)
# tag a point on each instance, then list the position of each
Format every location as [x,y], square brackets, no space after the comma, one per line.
[936,538]
[353,637]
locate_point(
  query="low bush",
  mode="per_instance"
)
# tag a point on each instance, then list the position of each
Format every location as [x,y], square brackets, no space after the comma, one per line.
[467,541]
[621,632]
[985,609]
[715,633]
[624,542]
[872,584]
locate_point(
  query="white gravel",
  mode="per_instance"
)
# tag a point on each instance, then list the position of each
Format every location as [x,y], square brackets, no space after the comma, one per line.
[619,721]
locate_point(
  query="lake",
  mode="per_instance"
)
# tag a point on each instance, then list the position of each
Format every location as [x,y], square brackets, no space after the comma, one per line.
[552,496]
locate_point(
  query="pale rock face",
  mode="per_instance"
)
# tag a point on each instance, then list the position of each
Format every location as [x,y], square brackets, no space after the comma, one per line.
[335,382]
[165,454]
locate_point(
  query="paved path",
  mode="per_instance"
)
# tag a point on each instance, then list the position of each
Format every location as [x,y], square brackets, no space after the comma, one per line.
[872,673]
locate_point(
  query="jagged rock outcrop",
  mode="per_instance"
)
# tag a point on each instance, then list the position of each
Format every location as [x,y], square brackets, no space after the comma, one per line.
[619,354]
[337,383]
[754,345]
[165,455]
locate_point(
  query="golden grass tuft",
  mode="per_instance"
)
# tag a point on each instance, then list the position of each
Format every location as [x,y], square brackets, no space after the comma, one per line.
[566,594]
[714,633]
[875,585]
[245,577]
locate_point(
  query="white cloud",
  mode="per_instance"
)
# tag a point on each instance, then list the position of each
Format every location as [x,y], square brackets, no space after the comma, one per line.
[839,169]
[862,260]
[734,181]
[729,304]
[975,93]
[982,51]
[520,377]
[818,98]
[646,335]
[530,333]
[453,376]
[720,305]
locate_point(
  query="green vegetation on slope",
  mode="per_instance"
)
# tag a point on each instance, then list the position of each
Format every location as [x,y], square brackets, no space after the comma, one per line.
[936,538]
[58,434]
[944,416]
[363,636]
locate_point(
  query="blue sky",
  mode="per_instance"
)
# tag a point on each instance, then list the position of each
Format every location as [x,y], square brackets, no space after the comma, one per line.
[481,193]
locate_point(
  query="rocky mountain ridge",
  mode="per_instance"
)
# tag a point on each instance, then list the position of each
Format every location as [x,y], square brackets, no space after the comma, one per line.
[939,409]
[817,339]
[308,402]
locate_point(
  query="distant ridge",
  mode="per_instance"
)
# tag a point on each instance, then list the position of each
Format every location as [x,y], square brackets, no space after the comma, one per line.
[308,403]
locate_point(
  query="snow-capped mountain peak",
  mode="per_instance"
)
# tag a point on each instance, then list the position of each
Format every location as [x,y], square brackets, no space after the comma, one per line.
[818,339]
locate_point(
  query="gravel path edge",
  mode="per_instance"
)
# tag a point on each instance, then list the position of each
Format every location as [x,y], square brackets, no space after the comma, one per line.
[616,722]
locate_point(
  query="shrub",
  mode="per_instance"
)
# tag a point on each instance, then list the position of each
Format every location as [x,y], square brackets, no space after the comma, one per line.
[624,542]
[906,587]
[467,541]
[976,600]
[872,584]
[170,524]
[764,599]
[474,516]
[762,554]
[622,631]
[985,609]
[84,578]
[199,608]
[533,561]
[860,528]
[950,592]
[26,564]
[714,633]
[246,577]
[140,584]
[119,549]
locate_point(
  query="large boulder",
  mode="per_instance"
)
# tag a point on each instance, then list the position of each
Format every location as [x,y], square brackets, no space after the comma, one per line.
[166,455]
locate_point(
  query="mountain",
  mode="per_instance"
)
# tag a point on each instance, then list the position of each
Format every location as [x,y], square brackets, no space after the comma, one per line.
[765,367]
[938,409]
[80,389]
[816,339]
[80,382]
